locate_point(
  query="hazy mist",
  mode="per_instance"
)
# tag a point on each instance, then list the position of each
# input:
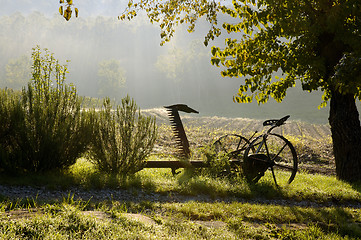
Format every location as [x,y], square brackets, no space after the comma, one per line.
[178,72]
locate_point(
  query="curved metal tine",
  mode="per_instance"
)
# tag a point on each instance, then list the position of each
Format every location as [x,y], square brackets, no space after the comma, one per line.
[217,145]
[244,145]
[174,173]
[274,176]
[223,145]
[239,143]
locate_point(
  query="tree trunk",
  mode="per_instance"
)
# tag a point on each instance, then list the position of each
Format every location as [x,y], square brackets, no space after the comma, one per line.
[346,136]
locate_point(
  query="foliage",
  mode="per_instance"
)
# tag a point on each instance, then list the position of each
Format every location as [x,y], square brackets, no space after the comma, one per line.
[217,164]
[51,132]
[123,138]
[12,117]
[90,102]
[171,13]
[111,78]
[305,40]
[68,9]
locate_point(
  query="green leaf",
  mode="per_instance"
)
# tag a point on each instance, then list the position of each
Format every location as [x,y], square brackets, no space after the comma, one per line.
[215,61]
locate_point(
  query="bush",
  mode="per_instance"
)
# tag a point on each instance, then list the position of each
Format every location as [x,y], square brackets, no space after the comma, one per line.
[123,138]
[11,119]
[52,132]
[217,164]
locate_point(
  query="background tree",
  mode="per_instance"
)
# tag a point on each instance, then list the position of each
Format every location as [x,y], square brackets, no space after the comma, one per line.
[17,73]
[111,79]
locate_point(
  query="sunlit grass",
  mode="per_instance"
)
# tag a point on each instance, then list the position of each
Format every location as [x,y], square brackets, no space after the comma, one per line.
[306,187]
[272,213]
[189,220]
[233,209]
[342,220]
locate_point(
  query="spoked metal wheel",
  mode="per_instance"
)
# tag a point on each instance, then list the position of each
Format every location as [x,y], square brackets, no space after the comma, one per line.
[274,152]
[232,145]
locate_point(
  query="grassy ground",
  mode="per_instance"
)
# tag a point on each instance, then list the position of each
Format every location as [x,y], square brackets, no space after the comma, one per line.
[314,206]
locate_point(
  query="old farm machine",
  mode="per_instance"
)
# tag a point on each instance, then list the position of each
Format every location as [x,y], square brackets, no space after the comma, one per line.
[253,156]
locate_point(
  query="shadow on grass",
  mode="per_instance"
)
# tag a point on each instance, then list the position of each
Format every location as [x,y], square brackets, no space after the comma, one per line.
[356,186]
[64,180]
[344,221]
[227,187]
[189,186]
[51,180]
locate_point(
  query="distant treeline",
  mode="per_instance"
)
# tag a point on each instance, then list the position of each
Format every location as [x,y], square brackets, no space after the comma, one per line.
[179,72]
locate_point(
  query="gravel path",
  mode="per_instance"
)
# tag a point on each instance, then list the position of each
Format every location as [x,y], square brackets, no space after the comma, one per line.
[42,194]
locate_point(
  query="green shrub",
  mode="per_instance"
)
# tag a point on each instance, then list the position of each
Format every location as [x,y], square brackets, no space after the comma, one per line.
[11,119]
[217,164]
[123,138]
[52,132]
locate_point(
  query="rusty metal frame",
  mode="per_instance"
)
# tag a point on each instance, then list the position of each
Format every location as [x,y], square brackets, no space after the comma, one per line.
[178,129]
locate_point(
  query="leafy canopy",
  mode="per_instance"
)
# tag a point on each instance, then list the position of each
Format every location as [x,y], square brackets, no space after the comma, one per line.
[171,13]
[304,39]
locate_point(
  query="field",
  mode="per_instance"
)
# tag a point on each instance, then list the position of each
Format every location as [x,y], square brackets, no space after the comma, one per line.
[312,141]
[82,203]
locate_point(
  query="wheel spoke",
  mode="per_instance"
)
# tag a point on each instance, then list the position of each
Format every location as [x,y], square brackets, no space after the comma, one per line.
[284,166]
[274,176]
[275,157]
[232,146]
[266,146]
[280,156]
